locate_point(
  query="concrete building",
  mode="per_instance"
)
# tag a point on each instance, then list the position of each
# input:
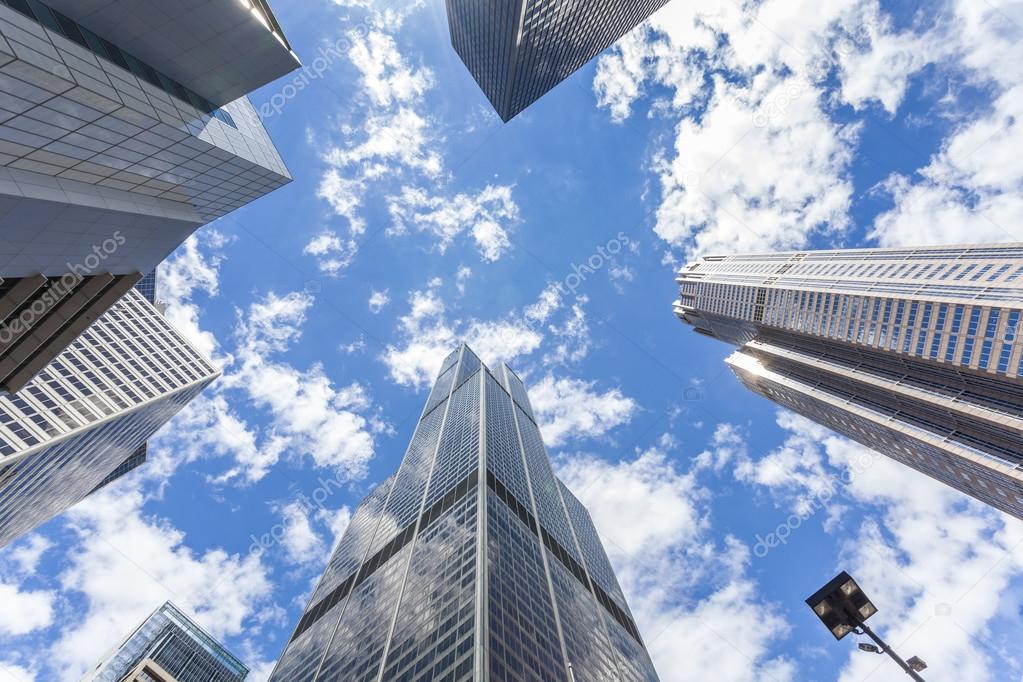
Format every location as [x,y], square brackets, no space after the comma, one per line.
[90,411]
[471,562]
[123,129]
[913,352]
[168,647]
[519,49]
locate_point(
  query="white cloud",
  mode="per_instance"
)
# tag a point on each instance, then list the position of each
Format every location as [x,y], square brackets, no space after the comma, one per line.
[333,254]
[427,335]
[463,274]
[309,414]
[190,270]
[378,300]
[126,564]
[15,672]
[750,85]
[572,339]
[484,216]
[427,340]
[355,346]
[723,191]
[302,544]
[390,139]
[686,591]
[386,77]
[549,301]
[727,445]
[573,409]
[24,611]
[945,568]
[27,552]
[390,17]
[970,191]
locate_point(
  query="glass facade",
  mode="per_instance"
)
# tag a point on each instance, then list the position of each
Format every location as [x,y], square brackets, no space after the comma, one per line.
[465,565]
[517,51]
[169,646]
[72,30]
[88,413]
[913,352]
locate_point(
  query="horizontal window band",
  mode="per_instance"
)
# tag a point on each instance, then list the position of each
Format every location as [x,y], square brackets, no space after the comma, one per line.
[386,553]
[562,554]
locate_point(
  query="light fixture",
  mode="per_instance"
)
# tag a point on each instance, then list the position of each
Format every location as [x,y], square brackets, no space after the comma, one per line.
[843,608]
[841,605]
[916,664]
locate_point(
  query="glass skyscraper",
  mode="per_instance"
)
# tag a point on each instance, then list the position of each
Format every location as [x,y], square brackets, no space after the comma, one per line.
[146,287]
[913,352]
[471,562]
[517,50]
[169,647]
[124,127]
[87,413]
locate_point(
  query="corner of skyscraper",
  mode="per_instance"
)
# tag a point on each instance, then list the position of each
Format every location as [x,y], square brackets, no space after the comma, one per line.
[471,562]
[168,646]
[913,352]
[519,50]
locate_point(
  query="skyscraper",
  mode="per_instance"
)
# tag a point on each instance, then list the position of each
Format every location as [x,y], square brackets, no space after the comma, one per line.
[471,562]
[168,647]
[123,128]
[90,410]
[146,287]
[913,352]
[519,49]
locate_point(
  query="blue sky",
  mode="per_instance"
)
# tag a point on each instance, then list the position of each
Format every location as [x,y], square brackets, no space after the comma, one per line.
[417,219]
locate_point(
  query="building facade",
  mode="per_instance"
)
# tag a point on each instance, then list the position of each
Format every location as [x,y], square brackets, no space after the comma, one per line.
[123,129]
[913,352]
[87,413]
[518,50]
[471,562]
[168,647]
[147,288]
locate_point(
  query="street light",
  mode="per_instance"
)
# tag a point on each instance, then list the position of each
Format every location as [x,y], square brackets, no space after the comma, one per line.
[843,607]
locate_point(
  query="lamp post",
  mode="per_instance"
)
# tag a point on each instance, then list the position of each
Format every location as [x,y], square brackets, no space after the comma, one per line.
[843,607]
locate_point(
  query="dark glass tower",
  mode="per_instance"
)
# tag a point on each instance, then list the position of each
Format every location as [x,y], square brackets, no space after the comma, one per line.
[517,50]
[471,562]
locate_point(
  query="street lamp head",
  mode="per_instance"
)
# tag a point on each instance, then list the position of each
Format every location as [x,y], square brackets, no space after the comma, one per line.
[841,605]
[916,664]
[869,648]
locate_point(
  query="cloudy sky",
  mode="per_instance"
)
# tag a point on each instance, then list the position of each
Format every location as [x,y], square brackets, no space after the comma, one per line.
[417,219]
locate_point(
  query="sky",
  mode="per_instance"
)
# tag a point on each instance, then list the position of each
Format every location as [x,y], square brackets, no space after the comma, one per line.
[416,220]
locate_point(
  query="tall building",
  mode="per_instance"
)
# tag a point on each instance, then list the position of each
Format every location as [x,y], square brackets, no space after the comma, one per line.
[913,352]
[146,287]
[90,410]
[471,562]
[124,127]
[519,49]
[168,647]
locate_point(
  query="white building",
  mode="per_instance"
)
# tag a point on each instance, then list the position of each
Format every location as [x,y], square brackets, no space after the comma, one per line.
[90,410]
